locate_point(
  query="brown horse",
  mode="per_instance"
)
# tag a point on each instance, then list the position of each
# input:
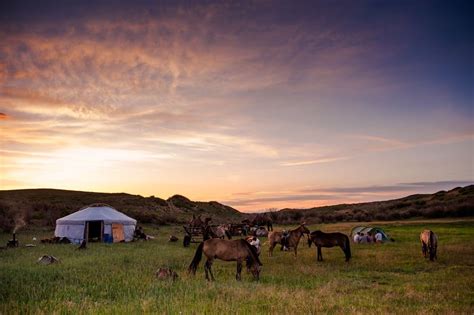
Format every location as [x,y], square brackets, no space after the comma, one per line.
[321,239]
[429,244]
[198,222]
[293,239]
[261,220]
[237,250]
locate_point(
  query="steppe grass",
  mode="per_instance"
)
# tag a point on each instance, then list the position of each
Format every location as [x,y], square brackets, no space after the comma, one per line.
[119,278]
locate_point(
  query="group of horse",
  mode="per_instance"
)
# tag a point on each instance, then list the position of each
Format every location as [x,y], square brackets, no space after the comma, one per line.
[241,251]
[226,230]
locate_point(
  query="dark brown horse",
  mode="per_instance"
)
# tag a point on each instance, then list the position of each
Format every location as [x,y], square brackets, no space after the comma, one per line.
[293,239]
[236,250]
[321,239]
[198,222]
[262,220]
[429,244]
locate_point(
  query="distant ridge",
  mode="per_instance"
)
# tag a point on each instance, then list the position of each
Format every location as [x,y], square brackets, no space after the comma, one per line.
[41,207]
[457,202]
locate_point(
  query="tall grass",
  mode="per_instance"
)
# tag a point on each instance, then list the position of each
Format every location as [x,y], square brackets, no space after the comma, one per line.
[119,278]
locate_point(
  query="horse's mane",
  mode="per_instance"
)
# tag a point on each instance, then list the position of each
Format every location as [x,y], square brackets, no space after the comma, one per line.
[296,229]
[253,252]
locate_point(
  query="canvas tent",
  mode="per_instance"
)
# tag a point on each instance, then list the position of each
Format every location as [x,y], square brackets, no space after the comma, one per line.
[98,222]
[373,230]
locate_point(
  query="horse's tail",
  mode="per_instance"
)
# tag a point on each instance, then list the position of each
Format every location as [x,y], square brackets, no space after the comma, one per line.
[197,258]
[252,252]
[347,247]
[227,233]
[432,246]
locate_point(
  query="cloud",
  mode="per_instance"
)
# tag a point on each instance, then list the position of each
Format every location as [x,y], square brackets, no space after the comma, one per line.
[287,198]
[317,161]
[401,187]
[334,195]
[4,116]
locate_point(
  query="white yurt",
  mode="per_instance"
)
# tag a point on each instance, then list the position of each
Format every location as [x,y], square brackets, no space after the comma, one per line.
[97,222]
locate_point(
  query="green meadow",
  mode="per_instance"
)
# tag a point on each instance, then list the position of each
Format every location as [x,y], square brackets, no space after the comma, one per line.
[119,278]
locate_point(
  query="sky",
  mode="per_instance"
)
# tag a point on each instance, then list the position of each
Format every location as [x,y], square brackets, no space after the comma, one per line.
[255,104]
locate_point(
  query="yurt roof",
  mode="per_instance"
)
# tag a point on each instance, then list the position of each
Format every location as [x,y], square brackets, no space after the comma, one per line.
[97,212]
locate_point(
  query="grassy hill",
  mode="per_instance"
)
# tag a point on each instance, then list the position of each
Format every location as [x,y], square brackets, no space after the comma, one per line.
[41,207]
[458,202]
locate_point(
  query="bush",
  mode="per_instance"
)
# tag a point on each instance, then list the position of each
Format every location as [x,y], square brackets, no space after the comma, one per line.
[7,222]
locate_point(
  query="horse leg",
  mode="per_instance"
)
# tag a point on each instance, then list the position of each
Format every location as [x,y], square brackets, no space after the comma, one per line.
[296,251]
[343,250]
[423,249]
[270,249]
[239,270]
[207,267]
[320,254]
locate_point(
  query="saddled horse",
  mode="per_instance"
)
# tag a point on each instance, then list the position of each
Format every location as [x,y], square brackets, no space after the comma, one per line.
[321,239]
[429,244]
[236,250]
[293,239]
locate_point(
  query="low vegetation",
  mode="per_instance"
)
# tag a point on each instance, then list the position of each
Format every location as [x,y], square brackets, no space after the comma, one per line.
[110,278]
[42,207]
[458,202]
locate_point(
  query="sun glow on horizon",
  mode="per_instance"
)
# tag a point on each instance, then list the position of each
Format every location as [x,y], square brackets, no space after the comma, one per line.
[257,106]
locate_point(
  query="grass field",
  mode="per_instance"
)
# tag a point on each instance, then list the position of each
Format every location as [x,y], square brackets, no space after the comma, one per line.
[119,278]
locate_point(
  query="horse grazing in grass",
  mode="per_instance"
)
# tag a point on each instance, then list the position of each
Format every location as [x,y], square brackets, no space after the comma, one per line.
[236,250]
[429,244]
[293,239]
[321,239]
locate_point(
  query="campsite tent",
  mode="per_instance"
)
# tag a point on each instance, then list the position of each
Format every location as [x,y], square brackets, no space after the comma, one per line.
[373,230]
[98,222]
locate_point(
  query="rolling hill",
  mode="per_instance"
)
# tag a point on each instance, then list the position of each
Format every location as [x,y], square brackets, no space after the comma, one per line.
[41,207]
[458,202]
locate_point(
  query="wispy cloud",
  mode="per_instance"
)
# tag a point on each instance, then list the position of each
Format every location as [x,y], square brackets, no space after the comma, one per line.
[227,94]
[333,195]
[316,161]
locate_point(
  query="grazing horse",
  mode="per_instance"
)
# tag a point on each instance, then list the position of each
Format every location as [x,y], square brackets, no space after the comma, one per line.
[293,239]
[236,250]
[321,239]
[429,244]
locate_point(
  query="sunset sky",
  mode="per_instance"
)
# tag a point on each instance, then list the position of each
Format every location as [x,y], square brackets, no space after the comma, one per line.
[256,104]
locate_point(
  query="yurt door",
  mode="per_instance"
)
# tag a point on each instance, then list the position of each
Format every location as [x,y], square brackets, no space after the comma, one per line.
[117,232]
[95,230]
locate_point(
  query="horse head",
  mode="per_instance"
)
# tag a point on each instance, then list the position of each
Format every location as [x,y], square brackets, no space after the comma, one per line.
[256,268]
[304,229]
